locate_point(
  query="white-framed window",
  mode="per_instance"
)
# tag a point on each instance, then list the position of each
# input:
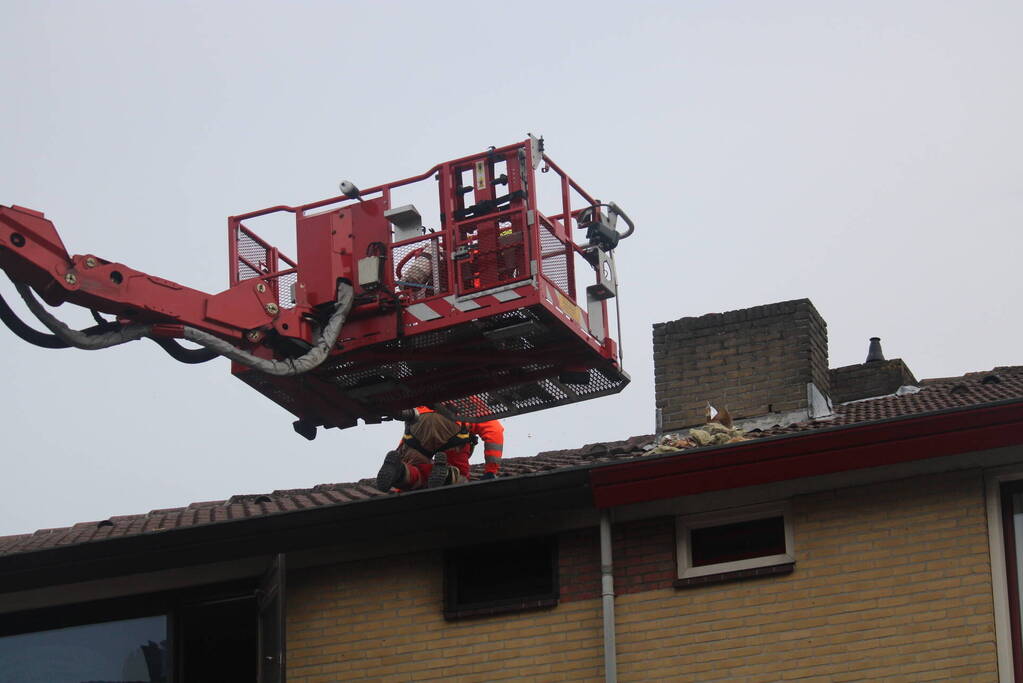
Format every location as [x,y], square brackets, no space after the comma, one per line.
[1004,494]
[735,542]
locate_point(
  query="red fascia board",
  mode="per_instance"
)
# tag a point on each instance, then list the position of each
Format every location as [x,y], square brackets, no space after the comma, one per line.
[828,451]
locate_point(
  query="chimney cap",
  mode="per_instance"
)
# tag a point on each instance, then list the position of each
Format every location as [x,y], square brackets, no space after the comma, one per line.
[874,352]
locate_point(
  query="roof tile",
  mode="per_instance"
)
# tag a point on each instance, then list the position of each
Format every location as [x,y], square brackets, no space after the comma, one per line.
[974,388]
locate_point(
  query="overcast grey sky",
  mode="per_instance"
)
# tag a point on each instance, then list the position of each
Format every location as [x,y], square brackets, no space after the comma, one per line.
[866,155]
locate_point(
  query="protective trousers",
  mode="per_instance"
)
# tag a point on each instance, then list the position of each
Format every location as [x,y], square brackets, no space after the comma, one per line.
[418,467]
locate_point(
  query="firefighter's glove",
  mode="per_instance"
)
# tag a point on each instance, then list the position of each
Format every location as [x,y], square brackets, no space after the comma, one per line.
[488,475]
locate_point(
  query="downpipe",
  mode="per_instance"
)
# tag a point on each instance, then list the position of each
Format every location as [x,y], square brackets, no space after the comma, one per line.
[607,584]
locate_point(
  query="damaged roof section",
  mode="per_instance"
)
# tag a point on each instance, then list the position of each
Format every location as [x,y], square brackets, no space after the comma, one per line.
[972,389]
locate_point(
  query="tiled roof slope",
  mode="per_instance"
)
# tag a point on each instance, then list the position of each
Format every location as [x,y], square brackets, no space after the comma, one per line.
[938,394]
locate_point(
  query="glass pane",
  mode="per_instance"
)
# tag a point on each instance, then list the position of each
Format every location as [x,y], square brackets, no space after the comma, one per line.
[739,541]
[129,651]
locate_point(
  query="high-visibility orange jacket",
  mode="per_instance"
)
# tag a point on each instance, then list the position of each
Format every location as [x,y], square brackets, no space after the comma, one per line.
[491,433]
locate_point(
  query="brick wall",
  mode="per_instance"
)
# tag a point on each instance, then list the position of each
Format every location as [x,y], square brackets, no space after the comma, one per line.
[382,620]
[866,380]
[892,582]
[753,361]
[643,553]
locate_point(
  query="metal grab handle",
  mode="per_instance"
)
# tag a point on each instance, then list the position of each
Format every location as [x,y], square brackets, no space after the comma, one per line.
[614,208]
[591,219]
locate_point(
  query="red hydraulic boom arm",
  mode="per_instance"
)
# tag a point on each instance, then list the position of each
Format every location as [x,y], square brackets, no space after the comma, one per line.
[481,310]
[33,254]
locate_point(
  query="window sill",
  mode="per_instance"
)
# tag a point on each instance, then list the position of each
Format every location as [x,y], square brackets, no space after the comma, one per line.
[737,575]
[504,608]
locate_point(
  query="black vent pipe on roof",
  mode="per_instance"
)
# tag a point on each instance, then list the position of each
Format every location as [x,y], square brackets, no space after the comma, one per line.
[874,352]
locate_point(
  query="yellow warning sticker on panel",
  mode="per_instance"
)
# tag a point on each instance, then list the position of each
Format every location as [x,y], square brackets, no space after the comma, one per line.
[569,307]
[481,176]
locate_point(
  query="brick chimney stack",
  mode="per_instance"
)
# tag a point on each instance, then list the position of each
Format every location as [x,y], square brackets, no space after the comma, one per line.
[769,361]
[874,377]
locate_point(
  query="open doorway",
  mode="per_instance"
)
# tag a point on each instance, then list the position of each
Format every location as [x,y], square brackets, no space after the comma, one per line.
[217,642]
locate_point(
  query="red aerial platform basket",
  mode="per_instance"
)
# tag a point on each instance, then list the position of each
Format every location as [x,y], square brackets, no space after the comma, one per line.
[477,308]
[489,308]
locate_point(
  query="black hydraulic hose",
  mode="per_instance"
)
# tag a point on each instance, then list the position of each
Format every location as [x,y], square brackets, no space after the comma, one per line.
[323,342]
[52,341]
[106,335]
[171,346]
[48,341]
[180,353]
[32,336]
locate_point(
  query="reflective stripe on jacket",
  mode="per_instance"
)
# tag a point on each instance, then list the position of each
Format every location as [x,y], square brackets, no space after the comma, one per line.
[491,433]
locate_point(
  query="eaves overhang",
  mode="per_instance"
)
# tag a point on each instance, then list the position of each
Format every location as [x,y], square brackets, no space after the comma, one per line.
[469,511]
[462,509]
[819,452]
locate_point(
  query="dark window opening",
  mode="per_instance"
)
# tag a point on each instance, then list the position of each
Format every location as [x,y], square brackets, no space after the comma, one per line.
[271,632]
[217,642]
[501,577]
[738,541]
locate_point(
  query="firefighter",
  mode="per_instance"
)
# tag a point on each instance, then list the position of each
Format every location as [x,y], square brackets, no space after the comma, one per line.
[435,451]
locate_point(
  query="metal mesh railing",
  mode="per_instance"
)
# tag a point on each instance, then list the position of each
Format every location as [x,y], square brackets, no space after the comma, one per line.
[256,259]
[420,269]
[485,356]
[523,387]
[253,253]
[286,290]
[494,252]
[554,260]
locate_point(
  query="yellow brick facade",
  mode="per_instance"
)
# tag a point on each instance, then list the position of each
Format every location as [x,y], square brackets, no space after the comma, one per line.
[892,582]
[382,620]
